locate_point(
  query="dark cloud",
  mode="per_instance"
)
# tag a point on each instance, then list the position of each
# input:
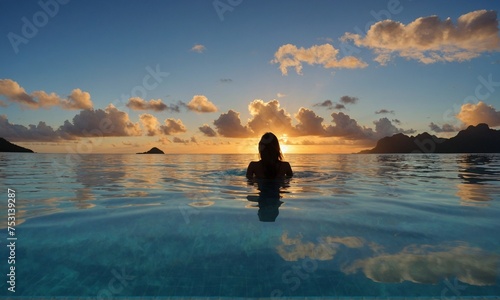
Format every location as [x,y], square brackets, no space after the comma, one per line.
[384,127]
[384,111]
[229,125]
[347,128]
[101,122]
[326,103]
[207,130]
[348,100]
[137,103]
[20,133]
[226,80]
[445,128]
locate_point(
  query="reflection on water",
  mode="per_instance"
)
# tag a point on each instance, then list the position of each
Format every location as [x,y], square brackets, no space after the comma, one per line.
[179,224]
[477,173]
[431,264]
[268,197]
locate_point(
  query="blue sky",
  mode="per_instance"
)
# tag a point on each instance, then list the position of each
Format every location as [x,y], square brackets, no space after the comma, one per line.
[104,48]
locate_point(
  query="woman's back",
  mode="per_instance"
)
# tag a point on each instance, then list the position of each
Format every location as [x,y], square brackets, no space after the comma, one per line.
[257,169]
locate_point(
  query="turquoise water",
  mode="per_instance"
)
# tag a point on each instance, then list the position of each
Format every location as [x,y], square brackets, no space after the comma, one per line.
[106,226]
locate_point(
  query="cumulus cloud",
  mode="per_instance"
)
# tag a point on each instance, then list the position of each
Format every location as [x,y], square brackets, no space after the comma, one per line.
[384,127]
[280,95]
[198,48]
[15,93]
[229,125]
[11,90]
[473,114]
[347,128]
[445,128]
[150,123]
[172,126]
[384,111]
[137,103]
[78,99]
[41,132]
[271,117]
[289,56]
[201,104]
[309,122]
[268,117]
[101,122]
[430,40]
[207,130]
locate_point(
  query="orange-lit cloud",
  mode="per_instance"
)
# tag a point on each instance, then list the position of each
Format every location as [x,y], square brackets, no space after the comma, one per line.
[271,117]
[198,48]
[137,103]
[172,126]
[150,123]
[293,249]
[10,89]
[289,56]
[268,116]
[430,40]
[473,114]
[201,104]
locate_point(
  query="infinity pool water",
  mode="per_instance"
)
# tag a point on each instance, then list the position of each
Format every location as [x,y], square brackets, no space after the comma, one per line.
[106,226]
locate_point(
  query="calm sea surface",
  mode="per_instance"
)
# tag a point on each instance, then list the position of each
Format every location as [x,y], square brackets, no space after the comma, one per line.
[106,226]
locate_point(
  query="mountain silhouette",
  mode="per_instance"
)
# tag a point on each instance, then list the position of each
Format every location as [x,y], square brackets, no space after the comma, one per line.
[153,150]
[6,146]
[474,139]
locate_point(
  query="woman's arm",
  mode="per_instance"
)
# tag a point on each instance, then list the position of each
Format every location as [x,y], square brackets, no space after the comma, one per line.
[288,170]
[250,170]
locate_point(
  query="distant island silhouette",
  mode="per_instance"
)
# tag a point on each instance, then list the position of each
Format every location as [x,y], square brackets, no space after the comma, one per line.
[153,150]
[474,139]
[6,146]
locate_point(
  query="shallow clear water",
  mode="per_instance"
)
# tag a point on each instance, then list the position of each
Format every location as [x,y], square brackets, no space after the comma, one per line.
[107,226]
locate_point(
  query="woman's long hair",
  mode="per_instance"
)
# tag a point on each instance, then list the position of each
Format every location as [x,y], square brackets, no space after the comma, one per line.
[270,154]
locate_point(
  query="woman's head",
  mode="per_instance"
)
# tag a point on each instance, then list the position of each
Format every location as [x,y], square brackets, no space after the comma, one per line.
[269,148]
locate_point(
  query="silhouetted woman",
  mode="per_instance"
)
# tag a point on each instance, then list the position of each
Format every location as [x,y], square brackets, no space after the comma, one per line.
[271,164]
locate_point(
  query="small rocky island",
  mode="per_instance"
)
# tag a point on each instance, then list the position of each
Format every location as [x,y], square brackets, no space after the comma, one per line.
[474,139]
[153,150]
[6,146]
